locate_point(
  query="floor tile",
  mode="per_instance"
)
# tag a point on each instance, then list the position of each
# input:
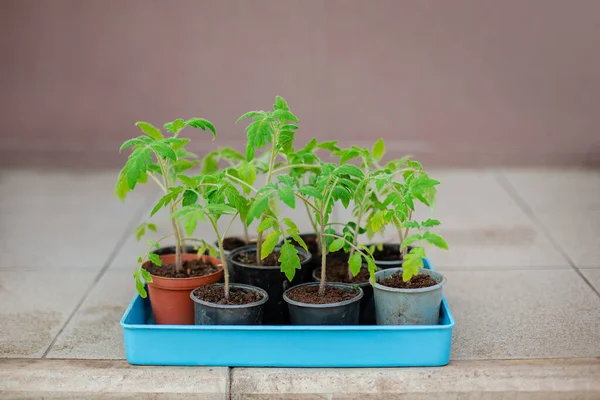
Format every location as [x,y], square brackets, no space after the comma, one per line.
[483,226]
[94,331]
[523,314]
[567,204]
[592,275]
[68,219]
[35,306]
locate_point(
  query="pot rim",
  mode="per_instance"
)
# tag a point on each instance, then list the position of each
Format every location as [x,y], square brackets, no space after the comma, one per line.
[252,248]
[232,306]
[329,305]
[388,262]
[204,257]
[397,290]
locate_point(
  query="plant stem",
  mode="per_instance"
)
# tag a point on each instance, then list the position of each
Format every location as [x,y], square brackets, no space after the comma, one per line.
[314,225]
[323,260]
[222,255]
[269,175]
[405,250]
[246,235]
[241,182]
[355,239]
[155,179]
[178,242]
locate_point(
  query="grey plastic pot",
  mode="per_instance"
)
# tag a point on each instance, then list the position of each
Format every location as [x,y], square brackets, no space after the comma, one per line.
[341,313]
[269,278]
[407,306]
[367,305]
[206,313]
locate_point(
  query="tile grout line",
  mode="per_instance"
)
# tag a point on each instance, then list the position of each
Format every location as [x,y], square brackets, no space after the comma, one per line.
[229,382]
[137,216]
[528,211]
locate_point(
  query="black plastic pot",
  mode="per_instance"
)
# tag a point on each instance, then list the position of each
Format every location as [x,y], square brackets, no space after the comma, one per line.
[171,250]
[384,264]
[367,305]
[342,313]
[269,278]
[206,313]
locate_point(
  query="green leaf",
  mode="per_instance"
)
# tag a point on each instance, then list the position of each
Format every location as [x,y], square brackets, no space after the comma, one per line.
[190,224]
[136,165]
[377,220]
[258,206]
[336,244]
[155,259]
[202,124]
[150,130]
[291,224]
[265,224]
[413,261]
[146,275]
[378,150]
[189,198]
[349,169]
[285,116]
[331,145]
[187,181]
[258,132]
[355,263]
[430,223]
[139,260]
[289,260]
[164,150]
[140,231]
[347,155]
[297,238]
[311,191]
[141,289]
[286,195]
[435,240]
[411,239]
[175,127]
[411,224]
[247,115]
[280,104]
[122,187]
[247,173]
[130,143]
[151,227]
[329,239]
[269,244]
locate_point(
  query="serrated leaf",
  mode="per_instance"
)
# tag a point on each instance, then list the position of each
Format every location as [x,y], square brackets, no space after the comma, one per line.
[187,181]
[331,145]
[355,263]
[269,244]
[377,220]
[435,240]
[175,126]
[347,155]
[129,143]
[329,239]
[411,239]
[164,150]
[155,259]
[280,104]
[294,235]
[146,275]
[289,260]
[247,115]
[285,116]
[190,224]
[121,187]
[378,150]
[349,169]
[202,124]
[258,206]
[430,223]
[286,195]
[311,191]
[286,180]
[411,224]
[265,224]
[337,244]
[247,173]
[150,130]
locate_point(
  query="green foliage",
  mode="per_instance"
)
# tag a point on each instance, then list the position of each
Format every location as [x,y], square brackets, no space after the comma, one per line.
[289,259]
[270,242]
[413,261]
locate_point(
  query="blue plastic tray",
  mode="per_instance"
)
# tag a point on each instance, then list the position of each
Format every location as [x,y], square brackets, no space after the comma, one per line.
[284,346]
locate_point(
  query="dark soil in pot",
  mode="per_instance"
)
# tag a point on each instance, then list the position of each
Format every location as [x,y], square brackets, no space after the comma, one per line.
[340,305]
[337,271]
[190,268]
[234,242]
[416,282]
[310,295]
[237,296]
[268,277]
[244,307]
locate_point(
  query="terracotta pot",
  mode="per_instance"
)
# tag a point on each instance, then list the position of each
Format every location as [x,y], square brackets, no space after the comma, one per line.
[170,297]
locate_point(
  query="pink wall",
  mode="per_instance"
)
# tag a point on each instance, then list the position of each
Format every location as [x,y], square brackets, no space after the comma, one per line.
[457,82]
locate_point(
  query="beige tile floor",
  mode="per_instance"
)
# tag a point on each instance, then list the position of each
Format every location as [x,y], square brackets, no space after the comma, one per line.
[523,271]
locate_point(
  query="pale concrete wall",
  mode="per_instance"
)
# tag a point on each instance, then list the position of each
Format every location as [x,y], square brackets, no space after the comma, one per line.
[460,82]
